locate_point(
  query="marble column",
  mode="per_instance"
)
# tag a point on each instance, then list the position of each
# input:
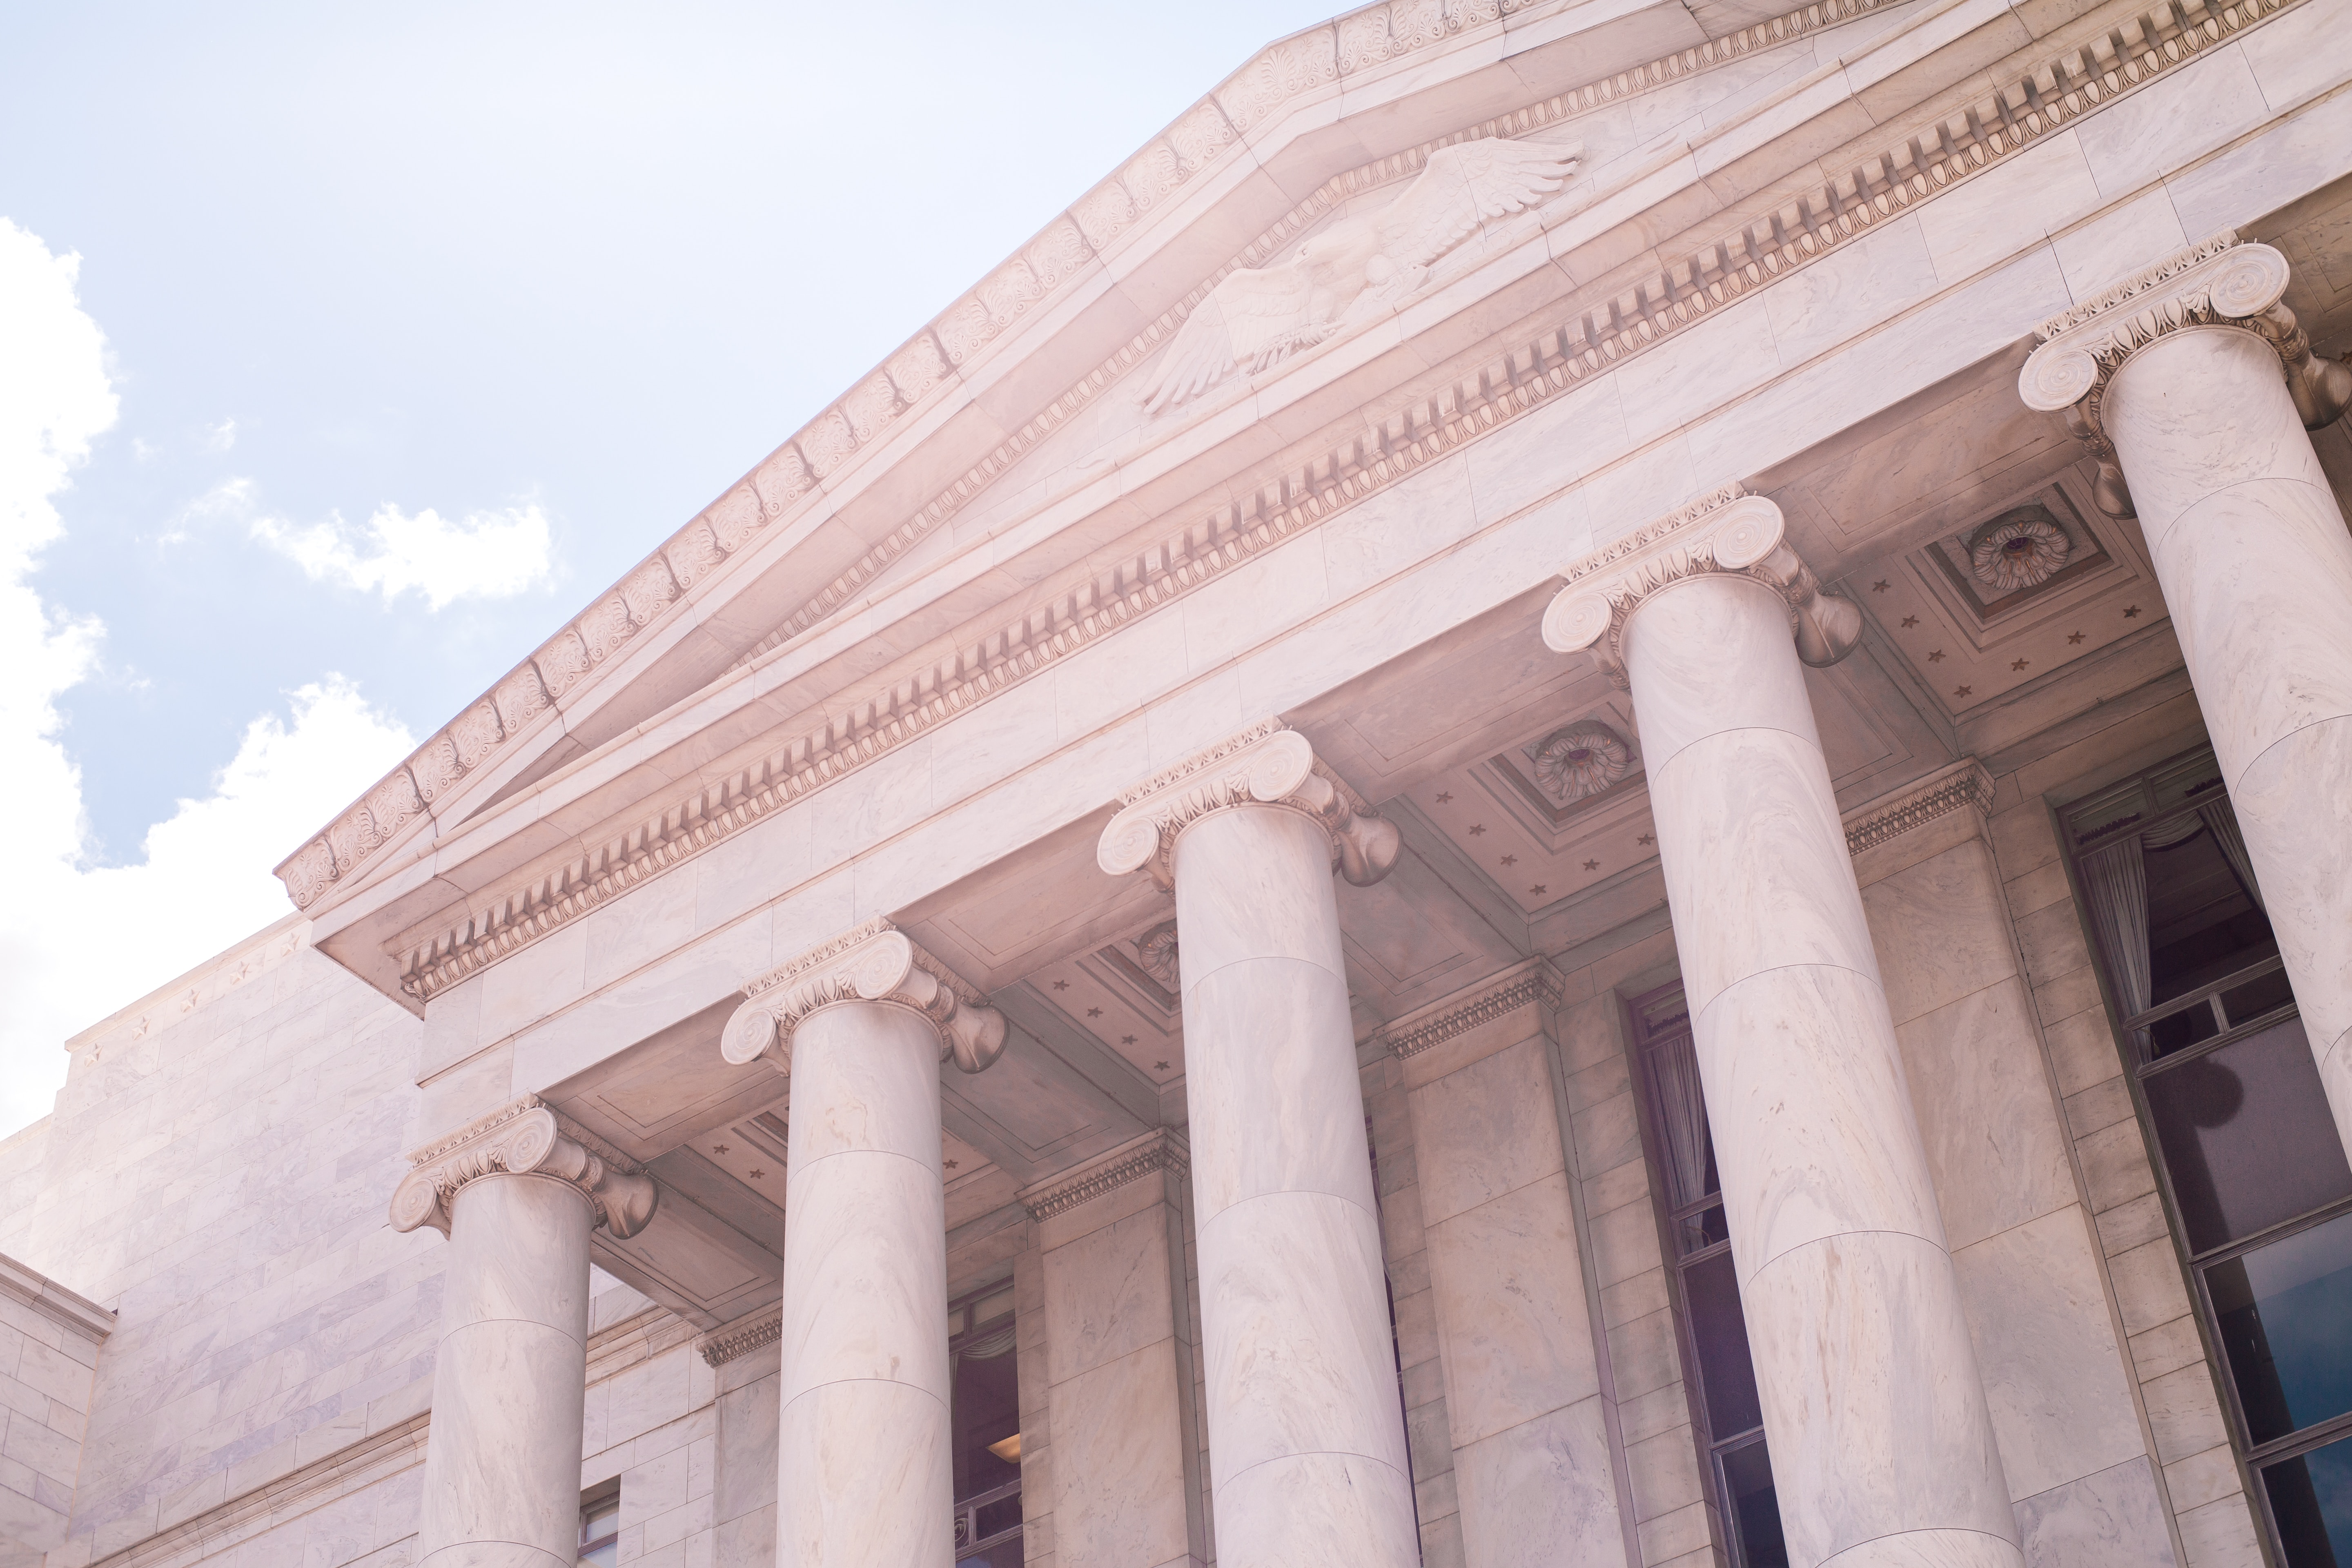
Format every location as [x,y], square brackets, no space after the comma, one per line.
[861,1025]
[1881,1442]
[518,1194]
[2193,385]
[1306,1448]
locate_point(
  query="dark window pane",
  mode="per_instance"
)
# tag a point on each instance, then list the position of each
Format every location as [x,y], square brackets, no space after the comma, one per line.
[1726,1377]
[1747,1491]
[2257,996]
[1006,1553]
[2247,1137]
[2175,1031]
[2285,1312]
[2202,925]
[1697,1232]
[2311,1498]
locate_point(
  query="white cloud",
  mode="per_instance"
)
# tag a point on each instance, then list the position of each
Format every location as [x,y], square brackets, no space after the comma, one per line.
[76,943]
[487,555]
[220,438]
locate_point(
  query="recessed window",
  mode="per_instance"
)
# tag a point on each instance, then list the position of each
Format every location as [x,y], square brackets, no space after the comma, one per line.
[599,1527]
[2261,1192]
[984,1418]
[1705,1285]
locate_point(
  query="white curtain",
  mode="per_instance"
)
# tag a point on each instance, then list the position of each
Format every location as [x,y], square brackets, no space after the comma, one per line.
[2115,882]
[1683,1111]
[983,1347]
[2232,844]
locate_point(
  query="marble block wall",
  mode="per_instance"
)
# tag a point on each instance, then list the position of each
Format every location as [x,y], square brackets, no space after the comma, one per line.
[49,1340]
[2047,1344]
[1036,1418]
[215,1172]
[2166,1360]
[1118,1354]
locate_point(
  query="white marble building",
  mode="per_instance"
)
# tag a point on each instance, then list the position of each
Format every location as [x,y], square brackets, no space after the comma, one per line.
[1572,794]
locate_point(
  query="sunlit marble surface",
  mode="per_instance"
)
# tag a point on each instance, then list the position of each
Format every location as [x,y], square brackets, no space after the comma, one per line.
[1882,1441]
[510,1380]
[1306,1434]
[2256,566]
[862,1461]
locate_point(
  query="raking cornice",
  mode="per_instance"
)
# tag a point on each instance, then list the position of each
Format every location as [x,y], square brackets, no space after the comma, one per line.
[1555,359]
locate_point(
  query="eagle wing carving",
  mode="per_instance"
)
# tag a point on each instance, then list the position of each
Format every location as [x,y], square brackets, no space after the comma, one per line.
[1353,269]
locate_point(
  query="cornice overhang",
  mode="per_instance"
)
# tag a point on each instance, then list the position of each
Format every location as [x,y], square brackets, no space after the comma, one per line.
[503,910]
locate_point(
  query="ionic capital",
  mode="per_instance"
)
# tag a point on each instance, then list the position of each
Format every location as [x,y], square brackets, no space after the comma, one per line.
[1727,532]
[528,1138]
[1266,764]
[2218,283]
[875,963]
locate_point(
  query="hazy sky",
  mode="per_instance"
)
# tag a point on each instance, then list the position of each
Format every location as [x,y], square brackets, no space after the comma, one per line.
[344,352]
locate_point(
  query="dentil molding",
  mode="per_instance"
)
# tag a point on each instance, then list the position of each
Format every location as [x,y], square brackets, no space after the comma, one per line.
[2219,283]
[1727,532]
[875,963]
[1158,1150]
[1269,764]
[1320,485]
[526,1138]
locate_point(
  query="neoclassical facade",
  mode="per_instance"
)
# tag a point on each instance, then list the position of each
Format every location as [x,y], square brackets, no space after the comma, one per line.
[1573,793]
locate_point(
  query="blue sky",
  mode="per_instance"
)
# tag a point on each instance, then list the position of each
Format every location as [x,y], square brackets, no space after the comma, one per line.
[396,332]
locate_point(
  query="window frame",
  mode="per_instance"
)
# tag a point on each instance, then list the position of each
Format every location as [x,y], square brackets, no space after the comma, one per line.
[1669,1217]
[2140,1063]
[591,1501]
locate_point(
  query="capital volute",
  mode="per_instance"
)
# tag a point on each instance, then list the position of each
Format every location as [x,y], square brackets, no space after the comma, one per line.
[1727,532]
[875,963]
[2220,283]
[1268,764]
[525,1138]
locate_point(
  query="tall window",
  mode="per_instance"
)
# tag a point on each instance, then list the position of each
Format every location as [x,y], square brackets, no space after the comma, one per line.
[984,1426]
[2256,1180]
[1706,1289]
[599,1527]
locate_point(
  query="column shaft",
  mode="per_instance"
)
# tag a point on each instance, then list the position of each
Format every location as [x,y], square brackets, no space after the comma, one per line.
[864,1476]
[1882,1446]
[2251,549]
[510,1380]
[1306,1427]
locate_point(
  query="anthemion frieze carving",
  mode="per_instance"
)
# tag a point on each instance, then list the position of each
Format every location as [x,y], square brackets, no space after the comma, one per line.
[526,1137]
[1355,271]
[1524,984]
[1725,531]
[1557,359]
[2218,282]
[1266,764]
[1154,1152]
[1965,783]
[874,963]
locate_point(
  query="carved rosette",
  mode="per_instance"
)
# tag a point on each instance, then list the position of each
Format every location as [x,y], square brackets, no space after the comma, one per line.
[528,1138]
[1727,532]
[2218,283]
[875,963]
[1265,764]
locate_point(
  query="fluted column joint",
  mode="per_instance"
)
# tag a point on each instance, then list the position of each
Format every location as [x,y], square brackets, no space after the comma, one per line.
[1725,531]
[1269,764]
[874,963]
[526,1138]
[2219,283]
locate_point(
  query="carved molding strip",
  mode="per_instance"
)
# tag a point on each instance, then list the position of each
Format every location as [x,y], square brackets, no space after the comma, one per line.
[740,1339]
[1159,1151]
[1966,783]
[2218,282]
[790,480]
[1269,764]
[1532,982]
[2057,96]
[872,962]
[1727,532]
[69,1309]
[531,1138]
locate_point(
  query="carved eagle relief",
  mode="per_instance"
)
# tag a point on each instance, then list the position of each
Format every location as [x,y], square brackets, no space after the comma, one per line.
[1356,270]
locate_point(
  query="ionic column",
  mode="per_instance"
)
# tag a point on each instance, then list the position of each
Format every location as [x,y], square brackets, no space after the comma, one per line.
[865,1476]
[2193,385]
[516,1193]
[1883,1450]
[1307,1450]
